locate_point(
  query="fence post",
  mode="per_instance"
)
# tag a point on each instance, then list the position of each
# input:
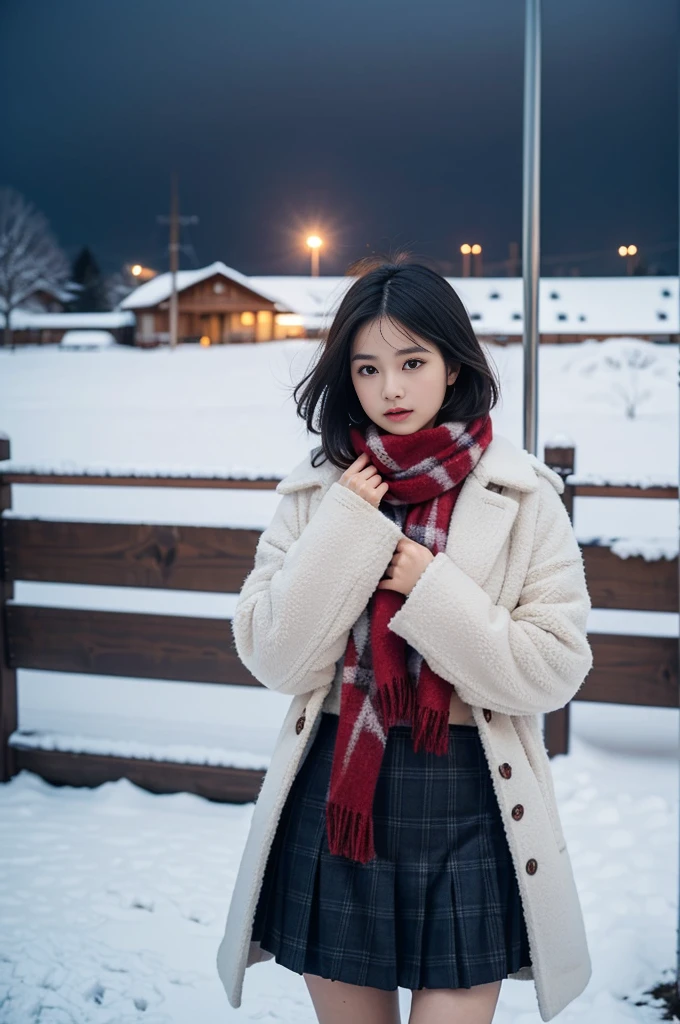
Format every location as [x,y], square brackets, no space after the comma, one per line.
[8,676]
[556,723]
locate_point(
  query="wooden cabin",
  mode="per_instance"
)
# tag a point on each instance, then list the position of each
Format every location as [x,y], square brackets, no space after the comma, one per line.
[216,306]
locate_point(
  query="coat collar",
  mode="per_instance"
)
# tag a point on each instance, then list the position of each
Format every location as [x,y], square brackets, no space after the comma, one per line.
[502,464]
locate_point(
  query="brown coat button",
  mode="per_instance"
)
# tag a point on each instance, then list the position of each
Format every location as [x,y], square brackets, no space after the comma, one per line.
[532,866]
[505,770]
[517,812]
[487,714]
[300,724]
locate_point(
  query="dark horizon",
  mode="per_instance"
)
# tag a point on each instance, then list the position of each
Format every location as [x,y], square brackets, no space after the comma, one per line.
[381,131]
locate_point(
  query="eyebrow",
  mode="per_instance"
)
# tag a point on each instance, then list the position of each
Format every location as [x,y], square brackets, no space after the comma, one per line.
[398,352]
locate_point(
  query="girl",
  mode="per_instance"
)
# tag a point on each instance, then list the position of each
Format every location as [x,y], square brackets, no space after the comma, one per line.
[420,593]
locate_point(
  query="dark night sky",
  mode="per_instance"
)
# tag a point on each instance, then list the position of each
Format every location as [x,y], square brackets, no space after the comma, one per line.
[386,122]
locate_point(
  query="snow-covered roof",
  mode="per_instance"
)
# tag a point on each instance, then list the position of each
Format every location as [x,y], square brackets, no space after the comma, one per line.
[314,299]
[158,288]
[567,305]
[23,319]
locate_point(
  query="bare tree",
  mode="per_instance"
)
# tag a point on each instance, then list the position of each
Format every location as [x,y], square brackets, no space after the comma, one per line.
[30,258]
[625,366]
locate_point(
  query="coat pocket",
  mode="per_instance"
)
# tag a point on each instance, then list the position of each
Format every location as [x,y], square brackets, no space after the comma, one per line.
[550,802]
[536,754]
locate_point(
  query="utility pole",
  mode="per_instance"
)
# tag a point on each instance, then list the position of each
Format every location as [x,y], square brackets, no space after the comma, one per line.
[173,248]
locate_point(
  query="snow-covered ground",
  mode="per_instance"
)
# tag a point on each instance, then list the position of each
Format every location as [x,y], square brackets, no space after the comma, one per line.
[112,901]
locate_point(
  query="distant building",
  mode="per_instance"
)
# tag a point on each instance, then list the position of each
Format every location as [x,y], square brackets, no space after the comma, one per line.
[215,303]
[570,308]
[219,305]
[29,328]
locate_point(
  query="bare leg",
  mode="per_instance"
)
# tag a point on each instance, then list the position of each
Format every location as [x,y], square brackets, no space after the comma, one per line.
[336,1002]
[474,1005]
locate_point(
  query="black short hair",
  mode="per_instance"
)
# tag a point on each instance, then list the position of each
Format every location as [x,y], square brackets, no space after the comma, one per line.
[418,299]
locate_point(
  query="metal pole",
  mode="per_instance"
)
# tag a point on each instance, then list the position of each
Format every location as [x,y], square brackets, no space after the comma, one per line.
[531,217]
[677,965]
[174,260]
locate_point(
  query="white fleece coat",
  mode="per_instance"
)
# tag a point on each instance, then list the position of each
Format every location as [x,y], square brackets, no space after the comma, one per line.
[501,614]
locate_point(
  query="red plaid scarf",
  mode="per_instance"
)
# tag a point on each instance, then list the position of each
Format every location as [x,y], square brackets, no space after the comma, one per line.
[385,681]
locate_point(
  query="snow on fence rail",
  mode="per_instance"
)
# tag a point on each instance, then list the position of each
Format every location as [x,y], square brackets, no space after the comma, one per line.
[640,670]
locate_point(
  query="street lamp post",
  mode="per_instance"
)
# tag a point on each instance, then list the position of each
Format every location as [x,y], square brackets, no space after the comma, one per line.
[467,252]
[314,243]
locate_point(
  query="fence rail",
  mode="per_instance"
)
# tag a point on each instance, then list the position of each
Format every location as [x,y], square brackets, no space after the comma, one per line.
[640,670]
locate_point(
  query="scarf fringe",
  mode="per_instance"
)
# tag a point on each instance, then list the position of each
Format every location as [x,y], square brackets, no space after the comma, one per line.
[350,833]
[431,730]
[397,702]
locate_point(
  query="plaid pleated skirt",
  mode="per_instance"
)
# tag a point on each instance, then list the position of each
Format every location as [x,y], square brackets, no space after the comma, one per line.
[439,906]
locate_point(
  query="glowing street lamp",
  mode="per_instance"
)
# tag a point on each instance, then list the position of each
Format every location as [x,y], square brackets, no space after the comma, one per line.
[628,250]
[314,243]
[468,251]
[141,273]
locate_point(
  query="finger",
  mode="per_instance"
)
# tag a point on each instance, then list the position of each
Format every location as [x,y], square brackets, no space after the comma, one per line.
[353,466]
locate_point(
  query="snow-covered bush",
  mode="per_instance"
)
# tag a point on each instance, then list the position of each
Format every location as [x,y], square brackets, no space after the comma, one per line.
[626,372]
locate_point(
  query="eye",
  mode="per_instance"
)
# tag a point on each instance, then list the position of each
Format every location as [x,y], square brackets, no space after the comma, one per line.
[367,366]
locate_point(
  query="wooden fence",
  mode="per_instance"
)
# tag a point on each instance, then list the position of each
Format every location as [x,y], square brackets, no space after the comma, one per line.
[628,669]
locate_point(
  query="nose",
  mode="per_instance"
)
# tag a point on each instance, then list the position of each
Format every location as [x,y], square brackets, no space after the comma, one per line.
[391,392]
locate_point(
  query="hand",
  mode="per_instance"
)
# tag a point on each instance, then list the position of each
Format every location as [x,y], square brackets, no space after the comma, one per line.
[363,478]
[409,562]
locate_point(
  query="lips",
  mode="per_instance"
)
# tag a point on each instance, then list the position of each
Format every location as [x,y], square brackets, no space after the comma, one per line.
[397,412]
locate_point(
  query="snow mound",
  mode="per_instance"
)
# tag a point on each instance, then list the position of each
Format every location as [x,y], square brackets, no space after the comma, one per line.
[87,339]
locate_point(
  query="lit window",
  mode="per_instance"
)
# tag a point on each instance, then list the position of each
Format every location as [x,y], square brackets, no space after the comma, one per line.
[247,319]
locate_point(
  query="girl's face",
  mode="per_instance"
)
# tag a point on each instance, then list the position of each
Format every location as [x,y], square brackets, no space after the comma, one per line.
[388,372]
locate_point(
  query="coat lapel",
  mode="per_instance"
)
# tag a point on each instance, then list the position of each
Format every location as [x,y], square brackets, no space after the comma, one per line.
[480,523]
[483,517]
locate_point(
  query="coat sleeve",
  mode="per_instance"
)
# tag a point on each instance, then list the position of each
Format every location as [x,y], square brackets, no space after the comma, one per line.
[527,661]
[308,586]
